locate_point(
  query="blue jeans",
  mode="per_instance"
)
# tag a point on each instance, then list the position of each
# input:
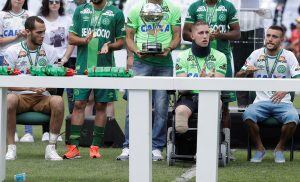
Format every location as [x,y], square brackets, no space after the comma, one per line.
[1,60]
[160,104]
[260,111]
[28,129]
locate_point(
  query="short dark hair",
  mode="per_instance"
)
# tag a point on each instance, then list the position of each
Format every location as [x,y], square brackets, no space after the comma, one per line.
[45,8]
[198,23]
[7,7]
[278,28]
[30,22]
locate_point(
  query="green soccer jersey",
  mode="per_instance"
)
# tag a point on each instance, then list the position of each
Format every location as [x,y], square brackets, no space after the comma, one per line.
[107,24]
[172,17]
[219,16]
[188,63]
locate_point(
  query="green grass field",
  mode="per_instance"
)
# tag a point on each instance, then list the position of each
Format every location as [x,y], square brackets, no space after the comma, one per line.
[31,161]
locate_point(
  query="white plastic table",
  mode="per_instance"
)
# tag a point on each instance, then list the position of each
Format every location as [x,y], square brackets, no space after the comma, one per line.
[140,161]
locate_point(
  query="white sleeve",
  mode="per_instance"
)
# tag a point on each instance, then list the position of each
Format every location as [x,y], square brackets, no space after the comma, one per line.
[53,58]
[10,56]
[251,60]
[293,65]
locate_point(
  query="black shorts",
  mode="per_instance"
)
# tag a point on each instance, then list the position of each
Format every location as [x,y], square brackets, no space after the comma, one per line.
[190,101]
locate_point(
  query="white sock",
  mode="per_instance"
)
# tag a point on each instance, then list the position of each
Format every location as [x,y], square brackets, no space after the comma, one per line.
[12,146]
[53,138]
[226,132]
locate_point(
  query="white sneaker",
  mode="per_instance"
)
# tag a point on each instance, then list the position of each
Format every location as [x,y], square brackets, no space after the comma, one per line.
[16,137]
[45,137]
[59,139]
[11,153]
[51,154]
[124,155]
[156,155]
[27,138]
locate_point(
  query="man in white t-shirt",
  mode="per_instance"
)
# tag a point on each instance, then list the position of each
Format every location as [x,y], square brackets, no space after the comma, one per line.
[271,61]
[32,52]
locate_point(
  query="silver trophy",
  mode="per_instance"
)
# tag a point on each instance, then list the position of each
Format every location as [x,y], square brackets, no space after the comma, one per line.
[152,14]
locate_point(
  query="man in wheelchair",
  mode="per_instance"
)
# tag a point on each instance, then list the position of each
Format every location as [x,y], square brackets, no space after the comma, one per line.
[199,61]
[21,56]
[271,61]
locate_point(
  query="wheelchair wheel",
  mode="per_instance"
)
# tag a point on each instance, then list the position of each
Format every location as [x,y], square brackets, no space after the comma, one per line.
[170,147]
[222,155]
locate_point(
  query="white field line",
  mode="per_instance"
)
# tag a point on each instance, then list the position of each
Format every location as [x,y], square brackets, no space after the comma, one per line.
[187,176]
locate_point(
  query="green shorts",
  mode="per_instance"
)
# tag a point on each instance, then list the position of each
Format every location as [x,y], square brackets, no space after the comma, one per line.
[100,95]
[228,96]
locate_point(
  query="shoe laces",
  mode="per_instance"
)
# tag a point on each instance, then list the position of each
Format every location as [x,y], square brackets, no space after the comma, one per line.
[94,149]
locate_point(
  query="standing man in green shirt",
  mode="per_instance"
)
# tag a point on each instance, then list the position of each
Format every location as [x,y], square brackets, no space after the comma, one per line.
[222,19]
[98,29]
[169,34]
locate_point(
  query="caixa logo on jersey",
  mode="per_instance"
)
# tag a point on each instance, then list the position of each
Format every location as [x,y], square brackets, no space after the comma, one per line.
[109,13]
[222,28]
[8,33]
[86,11]
[222,9]
[159,28]
[193,75]
[201,8]
[97,33]
[273,76]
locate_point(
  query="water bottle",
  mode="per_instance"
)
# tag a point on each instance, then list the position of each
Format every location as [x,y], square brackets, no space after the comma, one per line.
[21,177]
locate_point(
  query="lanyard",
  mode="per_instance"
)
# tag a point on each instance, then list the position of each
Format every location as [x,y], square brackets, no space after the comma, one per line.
[210,17]
[197,63]
[29,56]
[93,19]
[274,65]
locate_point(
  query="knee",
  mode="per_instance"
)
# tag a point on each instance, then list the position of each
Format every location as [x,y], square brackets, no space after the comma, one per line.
[56,103]
[250,123]
[161,95]
[80,105]
[100,106]
[225,107]
[291,125]
[181,119]
[12,102]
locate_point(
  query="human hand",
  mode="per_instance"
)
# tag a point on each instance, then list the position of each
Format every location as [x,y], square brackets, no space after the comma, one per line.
[38,90]
[104,49]
[62,61]
[212,73]
[277,97]
[203,71]
[22,34]
[140,55]
[216,34]
[88,38]
[251,69]
[165,53]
